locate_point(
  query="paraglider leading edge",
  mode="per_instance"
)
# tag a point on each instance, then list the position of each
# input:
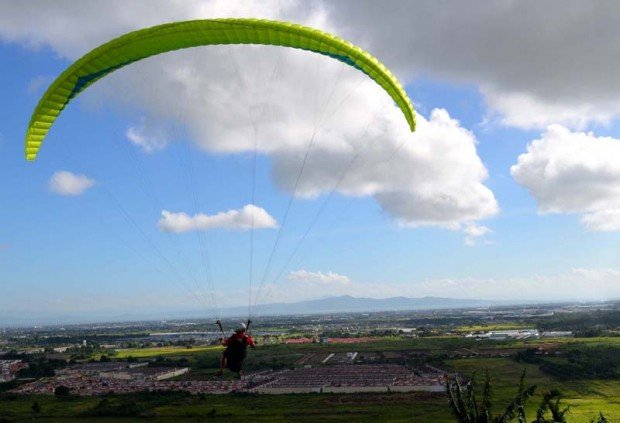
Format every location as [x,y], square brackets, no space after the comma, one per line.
[138,45]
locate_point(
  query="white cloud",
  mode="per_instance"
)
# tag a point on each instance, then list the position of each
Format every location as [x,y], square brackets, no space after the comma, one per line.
[245,218]
[433,177]
[149,139]
[602,221]
[536,63]
[574,172]
[525,110]
[70,184]
[475,234]
[73,28]
[476,230]
[574,285]
[317,278]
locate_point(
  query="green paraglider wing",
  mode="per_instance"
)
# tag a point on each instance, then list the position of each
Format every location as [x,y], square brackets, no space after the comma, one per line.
[148,42]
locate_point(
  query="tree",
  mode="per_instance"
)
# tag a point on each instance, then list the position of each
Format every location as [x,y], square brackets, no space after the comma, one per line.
[36,407]
[61,391]
[600,419]
[465,407]
[516,407]
[551,402]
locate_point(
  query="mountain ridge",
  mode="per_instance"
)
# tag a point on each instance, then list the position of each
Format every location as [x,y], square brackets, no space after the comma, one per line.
[335,304]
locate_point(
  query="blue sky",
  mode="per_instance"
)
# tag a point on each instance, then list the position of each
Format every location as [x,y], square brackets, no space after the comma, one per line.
[547,229]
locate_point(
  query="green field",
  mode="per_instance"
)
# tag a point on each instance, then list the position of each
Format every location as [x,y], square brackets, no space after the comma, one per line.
[493,326]
[164,351]
[586,397]
[285,408]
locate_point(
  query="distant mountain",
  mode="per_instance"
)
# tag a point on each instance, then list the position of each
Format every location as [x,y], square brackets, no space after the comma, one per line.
[346,303]
[342,304]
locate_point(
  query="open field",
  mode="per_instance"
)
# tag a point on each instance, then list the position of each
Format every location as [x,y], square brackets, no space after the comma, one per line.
[586,397]
[493,326]
[255,408]
[164,351]
[302,408]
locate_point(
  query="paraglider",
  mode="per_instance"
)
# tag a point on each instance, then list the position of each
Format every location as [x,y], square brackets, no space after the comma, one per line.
[144,43]
[236,345]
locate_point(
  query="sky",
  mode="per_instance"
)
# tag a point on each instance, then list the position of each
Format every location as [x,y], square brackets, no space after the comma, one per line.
[179,182]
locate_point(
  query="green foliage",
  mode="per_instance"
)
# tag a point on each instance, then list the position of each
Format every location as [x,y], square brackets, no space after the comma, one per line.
[123,408]
[36,407]
[465,409]
[41,367]
[599,419]
[586,396]
[590,322]
[62,391]
[576,362]
[7,386]
[516,407]
[551,404]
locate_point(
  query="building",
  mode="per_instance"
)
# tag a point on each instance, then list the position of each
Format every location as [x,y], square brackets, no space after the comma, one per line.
[119,371]
[557,334]
[145,373]
[502,335]
[98,369]
[350,379]
[9,368]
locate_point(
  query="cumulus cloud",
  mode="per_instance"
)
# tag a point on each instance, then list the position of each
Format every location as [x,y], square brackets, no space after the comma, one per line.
[69,184]
[535,63]
[526,111]
[231,98]
[72,29]
[363,148]
[431,177]
[602,221]
[574,172]
[245,218]
[317,278]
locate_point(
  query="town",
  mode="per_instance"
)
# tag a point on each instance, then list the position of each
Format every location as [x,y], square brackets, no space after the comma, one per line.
[395,353]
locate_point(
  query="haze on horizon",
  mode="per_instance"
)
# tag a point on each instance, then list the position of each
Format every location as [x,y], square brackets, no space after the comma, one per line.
[141,200]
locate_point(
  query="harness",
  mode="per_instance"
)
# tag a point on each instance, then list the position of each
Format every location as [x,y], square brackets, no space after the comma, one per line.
[235,353]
